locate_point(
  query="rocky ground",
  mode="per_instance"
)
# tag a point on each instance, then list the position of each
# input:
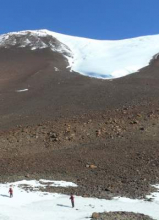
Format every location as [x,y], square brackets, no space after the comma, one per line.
[119,216]
[107,154]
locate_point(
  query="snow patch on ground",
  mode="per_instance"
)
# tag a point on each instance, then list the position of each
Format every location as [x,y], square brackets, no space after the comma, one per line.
[43,183]
[56,69]
[22,90]
[36,205]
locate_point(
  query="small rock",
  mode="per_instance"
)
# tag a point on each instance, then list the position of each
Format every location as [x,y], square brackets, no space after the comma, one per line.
[139,115]
[53,135]
[134,122]
[142,129]
[93,166]
[98,133]
[27,175]
[95,215]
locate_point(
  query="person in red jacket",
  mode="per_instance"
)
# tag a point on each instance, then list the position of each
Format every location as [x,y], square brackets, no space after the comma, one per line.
[72,200]
[11,192]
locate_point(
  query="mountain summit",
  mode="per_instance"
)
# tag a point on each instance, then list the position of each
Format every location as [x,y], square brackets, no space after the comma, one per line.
[95,58]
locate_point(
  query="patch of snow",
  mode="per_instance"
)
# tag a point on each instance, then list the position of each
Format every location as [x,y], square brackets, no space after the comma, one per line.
[35,205]
[22,90]
[56,69]
[43,183]
[27,41]
[58,183]
[34,48]
[14,42]
[155,196]
[22,46]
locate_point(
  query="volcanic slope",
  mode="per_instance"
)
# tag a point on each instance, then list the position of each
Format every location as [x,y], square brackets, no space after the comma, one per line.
[36,83]
[59,123]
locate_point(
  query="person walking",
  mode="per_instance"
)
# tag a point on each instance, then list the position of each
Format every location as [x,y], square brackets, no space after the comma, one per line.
[72,200]
[11,192]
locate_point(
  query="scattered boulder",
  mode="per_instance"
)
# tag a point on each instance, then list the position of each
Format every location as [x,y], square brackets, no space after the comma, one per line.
[139,115]
[95,215]
[142,129]
[53,135]
[98,133]
[93,166]
[134,122]
[27,175]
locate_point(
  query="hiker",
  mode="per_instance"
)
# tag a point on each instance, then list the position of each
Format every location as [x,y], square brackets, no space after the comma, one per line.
[72,200]
[11,192]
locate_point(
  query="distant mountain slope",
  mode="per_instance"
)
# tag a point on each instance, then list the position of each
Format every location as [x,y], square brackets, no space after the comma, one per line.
[100,59]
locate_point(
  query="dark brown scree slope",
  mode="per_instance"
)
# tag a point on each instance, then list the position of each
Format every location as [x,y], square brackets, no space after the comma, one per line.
[101,134]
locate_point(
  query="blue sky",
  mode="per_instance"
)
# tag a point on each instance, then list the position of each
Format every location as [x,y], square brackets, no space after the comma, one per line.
[98,19]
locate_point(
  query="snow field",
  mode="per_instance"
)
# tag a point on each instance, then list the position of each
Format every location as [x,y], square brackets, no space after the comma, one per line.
[109,59]
[35,205]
